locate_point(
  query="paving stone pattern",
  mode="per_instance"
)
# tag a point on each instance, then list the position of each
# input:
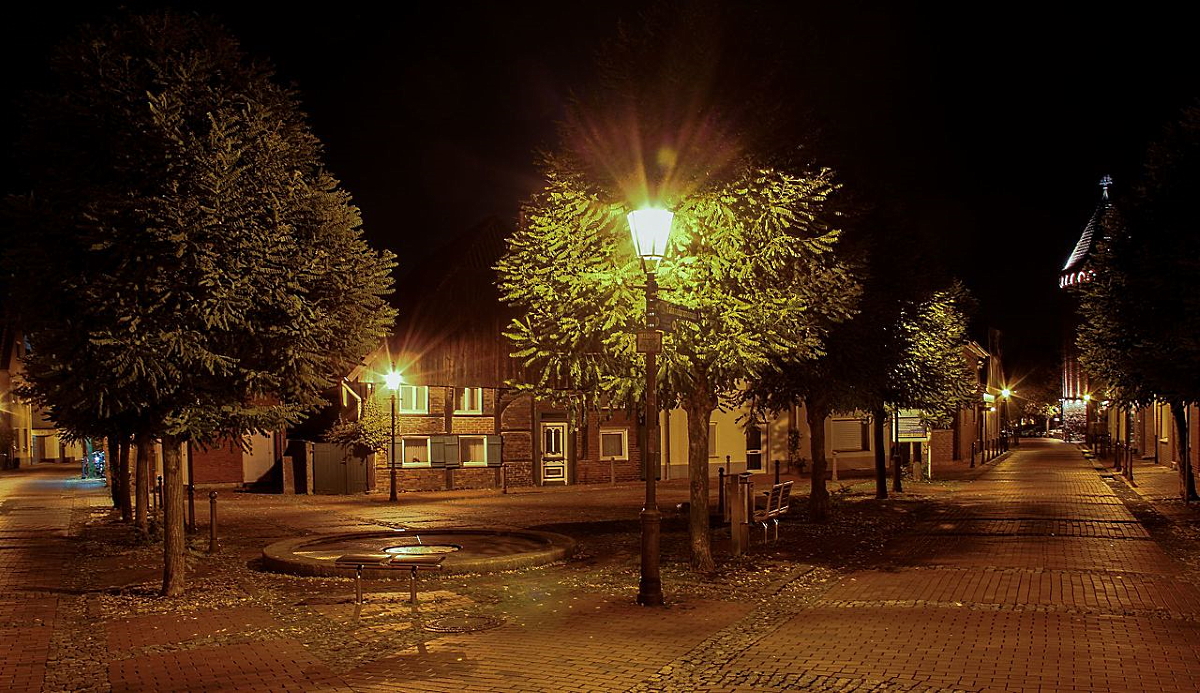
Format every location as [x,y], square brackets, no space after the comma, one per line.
[1039,572]
[1109,610]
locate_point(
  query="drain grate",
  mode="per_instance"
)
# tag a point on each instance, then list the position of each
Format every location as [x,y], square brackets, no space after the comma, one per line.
[463,624]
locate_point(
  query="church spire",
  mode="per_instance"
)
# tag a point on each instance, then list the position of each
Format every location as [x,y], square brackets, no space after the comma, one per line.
[1076,269]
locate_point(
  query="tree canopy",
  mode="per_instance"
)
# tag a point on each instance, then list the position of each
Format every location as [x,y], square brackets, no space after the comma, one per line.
[903,349]
[185,267]
[751,253]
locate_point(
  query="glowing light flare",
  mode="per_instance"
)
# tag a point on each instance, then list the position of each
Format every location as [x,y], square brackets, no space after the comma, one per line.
[651,229]
[1006,393]
[393,379]
[665,147]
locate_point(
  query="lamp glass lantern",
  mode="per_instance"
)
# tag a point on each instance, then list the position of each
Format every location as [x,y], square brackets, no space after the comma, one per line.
[651,229]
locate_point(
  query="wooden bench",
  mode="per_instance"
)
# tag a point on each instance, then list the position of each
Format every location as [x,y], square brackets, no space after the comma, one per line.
[778,500]
[388,561]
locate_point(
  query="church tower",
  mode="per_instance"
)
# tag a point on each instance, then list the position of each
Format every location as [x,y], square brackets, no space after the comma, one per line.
[1077,406]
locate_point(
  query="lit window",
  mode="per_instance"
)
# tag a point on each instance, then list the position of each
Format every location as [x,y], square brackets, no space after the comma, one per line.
[414,452]
[413,399]
[472,451]
[614,444]
[469,400]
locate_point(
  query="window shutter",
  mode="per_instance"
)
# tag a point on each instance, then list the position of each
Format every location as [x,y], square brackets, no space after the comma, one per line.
[446,450]
[494,450]
[848,435]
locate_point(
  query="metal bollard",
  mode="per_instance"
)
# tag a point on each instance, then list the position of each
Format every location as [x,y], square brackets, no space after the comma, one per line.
[212,522]
[835,477]
[721,491]
[973,454]
[503,478]
[741,509]
[777,471]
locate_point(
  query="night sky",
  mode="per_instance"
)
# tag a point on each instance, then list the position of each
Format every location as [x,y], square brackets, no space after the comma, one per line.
[994,125]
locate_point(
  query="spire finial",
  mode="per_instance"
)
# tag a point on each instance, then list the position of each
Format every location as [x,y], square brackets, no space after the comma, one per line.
[1105,182]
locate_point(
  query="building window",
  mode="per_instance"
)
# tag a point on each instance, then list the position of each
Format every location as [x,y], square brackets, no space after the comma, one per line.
[413,399]
[712,439]
[414,452]
[614,444]
[468,400]
[472,451]
[850,435]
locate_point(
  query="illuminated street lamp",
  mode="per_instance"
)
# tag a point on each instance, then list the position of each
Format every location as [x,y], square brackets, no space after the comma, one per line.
[393,380]
[1005,394]
[1087,420]
[650,228]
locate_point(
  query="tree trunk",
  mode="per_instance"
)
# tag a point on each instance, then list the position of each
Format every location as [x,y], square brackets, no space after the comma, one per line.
[818,497]
[126,480]
[897,471]
[110,470]
[174,565]
[118,451]
[877,418]
[1187,478]
[144,466]
[699,407]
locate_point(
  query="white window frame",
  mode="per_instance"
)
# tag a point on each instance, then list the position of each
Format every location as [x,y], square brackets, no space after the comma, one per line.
[473,463]
[624,433]
[419,395]
[403,446]
[468,400]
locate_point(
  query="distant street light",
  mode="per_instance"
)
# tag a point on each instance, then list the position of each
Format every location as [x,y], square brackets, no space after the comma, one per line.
[1005,394]
[393,380]
[651,229]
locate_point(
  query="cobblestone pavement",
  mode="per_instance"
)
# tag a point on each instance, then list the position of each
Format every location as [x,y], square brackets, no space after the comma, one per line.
[1041,571]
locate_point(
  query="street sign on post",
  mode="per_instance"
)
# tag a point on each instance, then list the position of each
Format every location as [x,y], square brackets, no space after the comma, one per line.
[649,341]
[667,313]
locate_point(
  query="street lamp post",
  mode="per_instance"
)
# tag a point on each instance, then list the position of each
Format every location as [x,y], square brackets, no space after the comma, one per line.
[1006,394]
[393,380]
[651,228]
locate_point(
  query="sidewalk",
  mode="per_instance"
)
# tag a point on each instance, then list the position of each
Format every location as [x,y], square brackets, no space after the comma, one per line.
[1011,576]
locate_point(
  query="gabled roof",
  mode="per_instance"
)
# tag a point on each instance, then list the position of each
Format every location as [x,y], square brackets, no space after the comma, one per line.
[1075,270]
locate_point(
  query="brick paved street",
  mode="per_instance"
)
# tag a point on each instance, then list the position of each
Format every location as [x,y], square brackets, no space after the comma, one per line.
[1040,572]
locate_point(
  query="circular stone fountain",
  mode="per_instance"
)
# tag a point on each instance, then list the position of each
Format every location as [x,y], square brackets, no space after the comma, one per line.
[465,550]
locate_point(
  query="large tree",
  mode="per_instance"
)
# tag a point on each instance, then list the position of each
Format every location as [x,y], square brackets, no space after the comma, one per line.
[749,253]
[903,349]
[681,115]
[189,269]
[1140,314]
[897,353]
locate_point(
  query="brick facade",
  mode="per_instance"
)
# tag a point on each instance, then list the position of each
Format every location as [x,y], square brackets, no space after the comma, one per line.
[218,464]
[941,445]
[443,421]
